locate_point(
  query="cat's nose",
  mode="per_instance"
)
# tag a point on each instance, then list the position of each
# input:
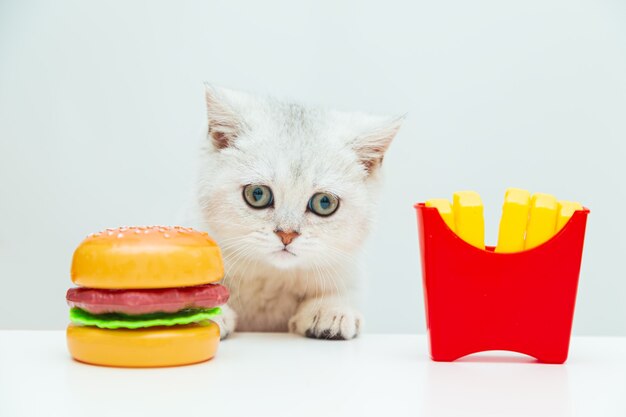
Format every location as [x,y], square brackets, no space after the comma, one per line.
[286,236]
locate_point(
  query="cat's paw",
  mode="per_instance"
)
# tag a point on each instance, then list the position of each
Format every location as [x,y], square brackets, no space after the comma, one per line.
[226,321]
[327,322]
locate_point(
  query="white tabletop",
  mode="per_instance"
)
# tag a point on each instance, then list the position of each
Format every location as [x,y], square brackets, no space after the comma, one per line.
[286,375]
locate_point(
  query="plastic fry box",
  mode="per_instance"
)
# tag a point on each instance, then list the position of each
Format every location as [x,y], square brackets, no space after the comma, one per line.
[478,300]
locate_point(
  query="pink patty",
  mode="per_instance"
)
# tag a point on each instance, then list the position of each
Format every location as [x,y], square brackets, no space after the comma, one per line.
[167,300]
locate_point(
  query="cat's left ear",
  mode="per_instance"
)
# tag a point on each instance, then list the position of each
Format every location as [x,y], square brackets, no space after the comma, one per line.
[371,146]
[224,124]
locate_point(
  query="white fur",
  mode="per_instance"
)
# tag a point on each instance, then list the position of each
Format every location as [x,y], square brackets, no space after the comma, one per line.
[296,151]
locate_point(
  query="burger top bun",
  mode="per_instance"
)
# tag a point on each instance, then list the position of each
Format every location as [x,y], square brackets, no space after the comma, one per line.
[146,257]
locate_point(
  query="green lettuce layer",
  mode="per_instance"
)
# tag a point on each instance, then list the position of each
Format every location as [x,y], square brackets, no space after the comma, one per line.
[119,320]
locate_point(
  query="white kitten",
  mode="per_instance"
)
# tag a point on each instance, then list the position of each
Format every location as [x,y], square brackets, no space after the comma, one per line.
[289,193]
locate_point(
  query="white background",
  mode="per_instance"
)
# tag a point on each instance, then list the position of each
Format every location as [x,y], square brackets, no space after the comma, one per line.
[101,105]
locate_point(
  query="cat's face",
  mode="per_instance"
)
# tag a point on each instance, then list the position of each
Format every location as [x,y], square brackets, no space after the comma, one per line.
[286,185]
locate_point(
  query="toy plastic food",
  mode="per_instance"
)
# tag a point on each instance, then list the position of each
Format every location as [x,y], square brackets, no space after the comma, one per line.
[513,221]
[146,297]
[565,211]
[542,220]
[468,217]
[478,300]
[445,210]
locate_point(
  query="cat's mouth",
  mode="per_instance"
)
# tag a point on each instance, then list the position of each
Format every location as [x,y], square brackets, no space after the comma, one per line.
[284,258]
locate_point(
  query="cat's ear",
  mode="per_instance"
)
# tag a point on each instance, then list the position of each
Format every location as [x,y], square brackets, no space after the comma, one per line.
[371,146]
[224,124]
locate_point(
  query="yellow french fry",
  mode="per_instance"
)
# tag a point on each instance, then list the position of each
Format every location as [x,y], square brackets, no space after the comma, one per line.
[468,217]
[445,210]
[514,221]
[542,220]
[566,210]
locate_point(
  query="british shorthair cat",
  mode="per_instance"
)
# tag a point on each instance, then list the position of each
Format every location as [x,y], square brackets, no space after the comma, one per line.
[289,193]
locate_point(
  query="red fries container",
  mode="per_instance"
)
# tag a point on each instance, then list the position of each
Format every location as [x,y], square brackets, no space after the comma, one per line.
[478,300]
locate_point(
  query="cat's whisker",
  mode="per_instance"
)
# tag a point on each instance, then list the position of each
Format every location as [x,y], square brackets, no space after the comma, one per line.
[316,283]
[306,285]
[343,254]
[320,299]
[246,236]
[221,241]
[230,257]
[334,271]
[337,278]
[243,254]
[228,248]
[242,275]
[228,254]
[239,236]
[232,262]
[227,244]
[235,255]
[338,258]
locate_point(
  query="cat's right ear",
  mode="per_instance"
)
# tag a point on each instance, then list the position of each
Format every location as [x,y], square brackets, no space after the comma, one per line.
[224,124]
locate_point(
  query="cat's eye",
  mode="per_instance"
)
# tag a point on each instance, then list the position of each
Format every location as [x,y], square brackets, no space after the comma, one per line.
[258,196]
[323,204]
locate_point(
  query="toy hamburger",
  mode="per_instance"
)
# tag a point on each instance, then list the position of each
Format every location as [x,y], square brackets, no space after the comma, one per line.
[145,297]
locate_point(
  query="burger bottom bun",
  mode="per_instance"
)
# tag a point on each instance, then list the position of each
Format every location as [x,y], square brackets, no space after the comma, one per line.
[143,348]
